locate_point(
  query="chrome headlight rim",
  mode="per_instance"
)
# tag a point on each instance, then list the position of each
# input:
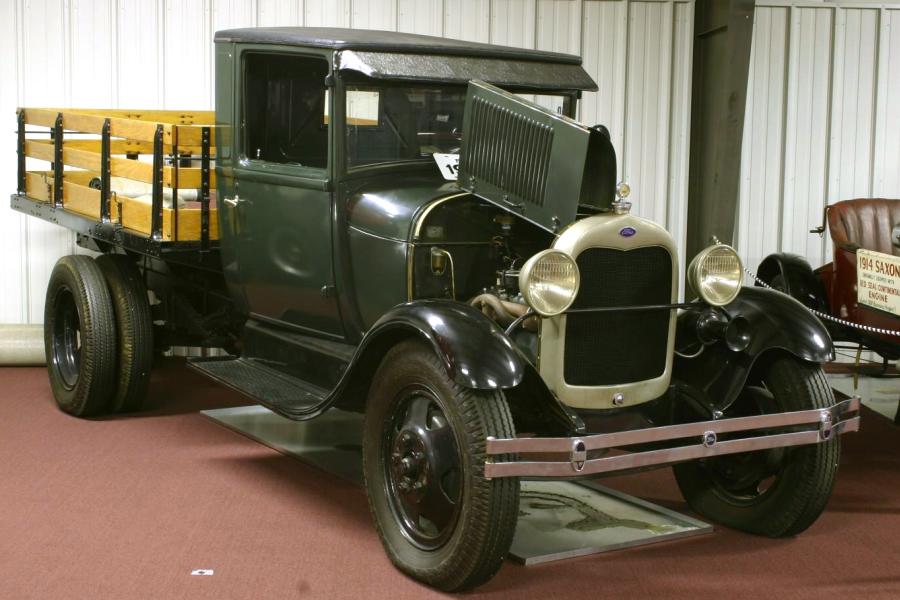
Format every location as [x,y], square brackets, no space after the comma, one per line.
[526,277]
[701,285]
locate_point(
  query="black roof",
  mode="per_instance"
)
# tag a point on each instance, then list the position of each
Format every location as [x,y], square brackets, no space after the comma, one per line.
[384,41]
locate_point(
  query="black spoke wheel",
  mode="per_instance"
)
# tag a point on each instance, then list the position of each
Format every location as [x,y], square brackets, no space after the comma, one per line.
[439,519]
[79,337]
[778,492]
[422,473]
[65,346]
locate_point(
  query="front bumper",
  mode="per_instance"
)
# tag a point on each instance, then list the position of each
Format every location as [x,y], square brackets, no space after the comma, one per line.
[798,428]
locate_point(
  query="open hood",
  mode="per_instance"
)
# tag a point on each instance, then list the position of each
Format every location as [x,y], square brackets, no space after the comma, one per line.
[532,161]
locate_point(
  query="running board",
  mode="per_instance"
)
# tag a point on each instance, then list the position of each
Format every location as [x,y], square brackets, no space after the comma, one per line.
[286,395]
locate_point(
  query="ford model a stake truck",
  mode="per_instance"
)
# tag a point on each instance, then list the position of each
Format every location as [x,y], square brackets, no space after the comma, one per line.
[503,324]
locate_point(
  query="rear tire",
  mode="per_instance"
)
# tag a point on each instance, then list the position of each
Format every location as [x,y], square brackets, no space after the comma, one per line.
[80,337]
[779,492]
[134,324]
[440,520]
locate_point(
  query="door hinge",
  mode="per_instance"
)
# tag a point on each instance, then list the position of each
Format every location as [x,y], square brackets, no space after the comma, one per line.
[327,291]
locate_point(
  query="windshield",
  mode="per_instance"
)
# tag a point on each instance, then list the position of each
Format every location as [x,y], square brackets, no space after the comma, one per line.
[388,123]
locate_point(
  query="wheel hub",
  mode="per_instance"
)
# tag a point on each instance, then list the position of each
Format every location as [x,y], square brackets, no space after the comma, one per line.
[423,470]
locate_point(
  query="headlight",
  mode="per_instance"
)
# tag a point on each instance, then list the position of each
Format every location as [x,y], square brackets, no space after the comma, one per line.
[716,274]
[549,282]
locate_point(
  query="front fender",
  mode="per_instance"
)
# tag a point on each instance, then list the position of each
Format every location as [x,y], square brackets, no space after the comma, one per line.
[776,322]
[475,351]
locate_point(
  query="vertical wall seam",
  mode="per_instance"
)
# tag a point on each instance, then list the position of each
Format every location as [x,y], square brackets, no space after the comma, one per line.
[161,9]
[626,89]
[24,259]
[785,90]
[668,112]
[829,105]
[114,51]
[877,82]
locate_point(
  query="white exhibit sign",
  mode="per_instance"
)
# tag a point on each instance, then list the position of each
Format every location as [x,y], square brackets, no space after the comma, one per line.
[448,165]
[878,280]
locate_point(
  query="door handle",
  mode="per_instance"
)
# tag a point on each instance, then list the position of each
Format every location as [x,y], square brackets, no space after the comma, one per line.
[234,201]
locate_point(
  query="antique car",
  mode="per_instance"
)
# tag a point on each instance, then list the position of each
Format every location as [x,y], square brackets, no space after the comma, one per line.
[501,318]
[858,293]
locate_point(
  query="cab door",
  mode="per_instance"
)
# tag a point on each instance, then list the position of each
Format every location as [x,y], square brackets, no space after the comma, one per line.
[276,193]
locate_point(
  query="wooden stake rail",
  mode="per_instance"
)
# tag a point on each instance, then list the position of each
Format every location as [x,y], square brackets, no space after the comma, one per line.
[180,144]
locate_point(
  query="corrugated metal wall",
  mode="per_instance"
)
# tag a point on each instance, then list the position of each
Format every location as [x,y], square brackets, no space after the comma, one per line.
[158,53]
[822,121]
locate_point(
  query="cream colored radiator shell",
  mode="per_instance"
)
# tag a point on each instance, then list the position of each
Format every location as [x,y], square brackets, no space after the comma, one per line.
[602,231]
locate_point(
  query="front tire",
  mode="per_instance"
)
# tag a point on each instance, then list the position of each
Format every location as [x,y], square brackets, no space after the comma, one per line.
[778,492]
[80,337]
[439,519]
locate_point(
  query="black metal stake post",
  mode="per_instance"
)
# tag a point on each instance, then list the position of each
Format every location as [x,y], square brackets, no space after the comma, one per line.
[20,150]
[58,161]
[204,189]
[157,206]
[105,172]
[175,162]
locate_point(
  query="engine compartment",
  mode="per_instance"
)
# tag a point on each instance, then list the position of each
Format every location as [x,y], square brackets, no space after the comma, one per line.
[469,250]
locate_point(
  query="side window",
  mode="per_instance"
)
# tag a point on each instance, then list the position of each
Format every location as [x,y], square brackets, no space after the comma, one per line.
[285,109]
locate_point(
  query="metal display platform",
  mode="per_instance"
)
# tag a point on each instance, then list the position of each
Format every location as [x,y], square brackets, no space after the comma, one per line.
[557,519]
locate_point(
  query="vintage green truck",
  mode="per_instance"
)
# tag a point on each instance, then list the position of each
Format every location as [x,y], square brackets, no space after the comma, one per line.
[501,318]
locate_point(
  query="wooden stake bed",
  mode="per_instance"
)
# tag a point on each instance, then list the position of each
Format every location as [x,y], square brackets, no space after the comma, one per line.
[97,155]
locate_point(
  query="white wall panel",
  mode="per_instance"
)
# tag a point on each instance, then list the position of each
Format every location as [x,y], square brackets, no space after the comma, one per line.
[680,124]
[419,16]
[467,20]
[822,120]
[280,13]
[45,77]
[376,14]
[327,13]
[648,81]
[187,68]
[762,164]
[13,267]
[604,48]
[158,54]
[886,168]
[558,26]
[139,54]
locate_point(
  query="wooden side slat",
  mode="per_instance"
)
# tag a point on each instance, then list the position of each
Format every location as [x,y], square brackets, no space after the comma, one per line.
[119,146]
[136,215]
[172,117]
[76,156]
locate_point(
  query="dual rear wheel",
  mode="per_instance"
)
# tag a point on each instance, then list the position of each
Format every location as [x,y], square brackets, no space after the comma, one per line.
[97,335]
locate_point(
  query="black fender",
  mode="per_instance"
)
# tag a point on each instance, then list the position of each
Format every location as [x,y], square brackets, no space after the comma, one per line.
[776,322]
[474,350]
[800,280]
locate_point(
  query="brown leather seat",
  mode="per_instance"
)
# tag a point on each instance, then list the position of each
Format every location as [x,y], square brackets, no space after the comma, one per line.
[864,223]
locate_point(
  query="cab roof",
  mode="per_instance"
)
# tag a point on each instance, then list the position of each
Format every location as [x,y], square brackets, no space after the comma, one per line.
[386,41]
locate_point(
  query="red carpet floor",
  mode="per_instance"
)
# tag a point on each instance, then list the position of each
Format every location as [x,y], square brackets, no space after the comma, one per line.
[127,507]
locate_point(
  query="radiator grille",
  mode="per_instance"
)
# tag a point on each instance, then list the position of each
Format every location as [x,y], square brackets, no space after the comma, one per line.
[509,151]
[618,347]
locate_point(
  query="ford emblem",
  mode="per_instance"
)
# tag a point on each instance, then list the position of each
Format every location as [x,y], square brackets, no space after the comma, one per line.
[627,231]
